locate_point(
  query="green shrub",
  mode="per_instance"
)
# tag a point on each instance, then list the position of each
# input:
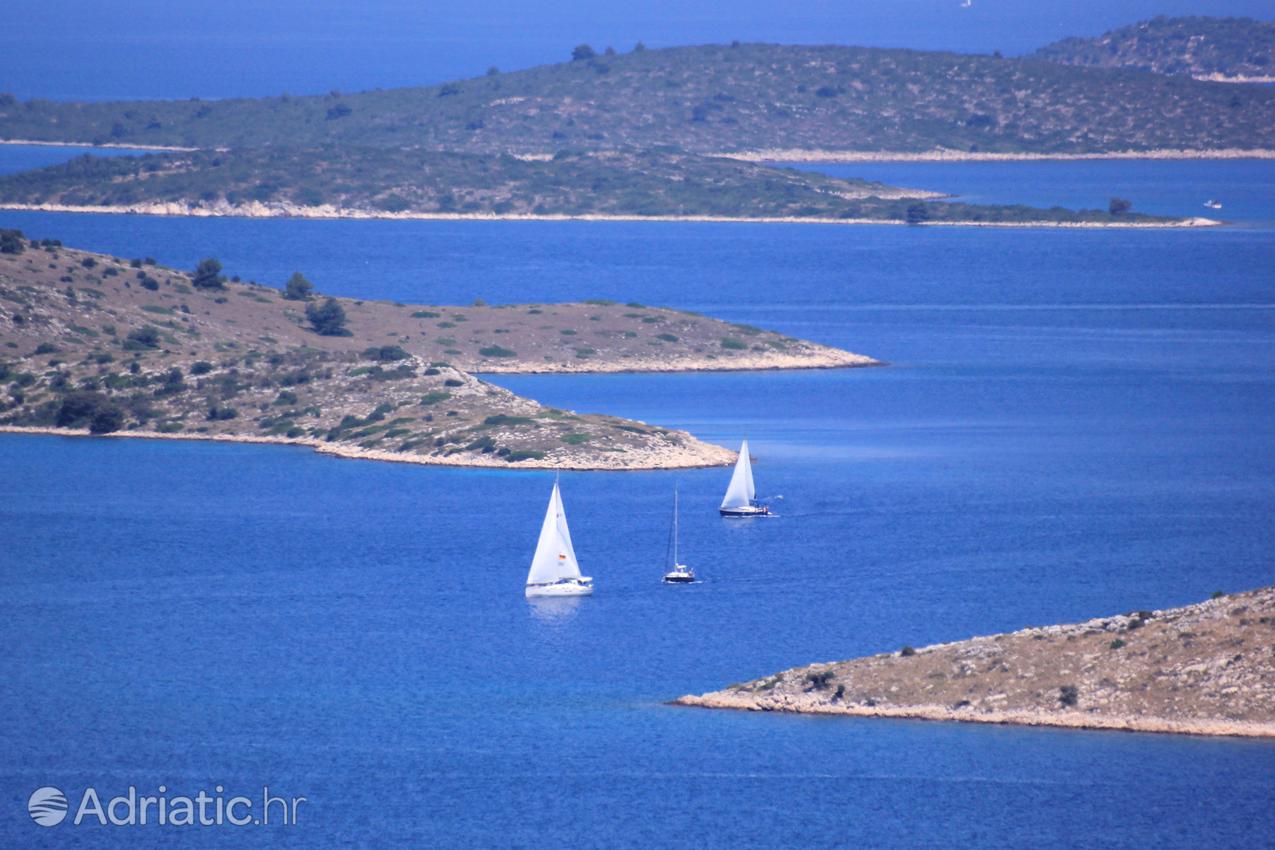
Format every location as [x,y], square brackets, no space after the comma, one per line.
[732,344]
[142,338]
[820,681]
[666,337]
[907,652]
[917,214]
[1068,695]
[106,419]
[497,351]
[77,408]
[524,454]
[327,319]
[11,241]
[426,314]
[200,367]
[298,288]
[386,353]
[503,419]
[207,275]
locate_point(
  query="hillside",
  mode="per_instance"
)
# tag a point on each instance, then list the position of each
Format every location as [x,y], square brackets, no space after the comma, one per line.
[343,182]
[710,99]
[1220,49]
[91,341]
[1204,669]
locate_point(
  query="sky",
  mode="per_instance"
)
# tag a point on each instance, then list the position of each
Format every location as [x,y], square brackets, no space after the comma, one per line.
[94,50]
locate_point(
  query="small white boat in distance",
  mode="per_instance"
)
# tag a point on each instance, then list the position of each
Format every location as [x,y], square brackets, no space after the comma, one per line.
[1213,205]
[680,573]
[554,569]
[740,500]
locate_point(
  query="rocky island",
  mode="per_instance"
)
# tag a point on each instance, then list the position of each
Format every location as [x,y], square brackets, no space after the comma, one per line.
[91,343]
[1205,669]
[708,99]
[660,184]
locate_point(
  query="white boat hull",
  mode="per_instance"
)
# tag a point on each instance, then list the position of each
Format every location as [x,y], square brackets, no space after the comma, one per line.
[572,587]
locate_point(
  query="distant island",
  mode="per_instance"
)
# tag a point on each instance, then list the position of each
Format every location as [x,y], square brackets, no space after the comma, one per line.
[1218,49]
[710,99]
[96,344]
[336,182]
[1203,669]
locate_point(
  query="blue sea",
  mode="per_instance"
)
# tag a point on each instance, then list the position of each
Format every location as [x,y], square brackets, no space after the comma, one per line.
[1073,423]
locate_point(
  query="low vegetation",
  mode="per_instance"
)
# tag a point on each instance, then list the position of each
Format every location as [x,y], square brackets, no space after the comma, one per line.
[1207,668]
[1213,48]
[85,345]
[332,181]
[707,99]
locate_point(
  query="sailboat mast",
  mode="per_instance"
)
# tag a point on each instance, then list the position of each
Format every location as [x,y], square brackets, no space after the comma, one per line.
[675,525]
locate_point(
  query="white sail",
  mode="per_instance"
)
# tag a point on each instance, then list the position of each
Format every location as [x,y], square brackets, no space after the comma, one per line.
[741,492]
[555,559]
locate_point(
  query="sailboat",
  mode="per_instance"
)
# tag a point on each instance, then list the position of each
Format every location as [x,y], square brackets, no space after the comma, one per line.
[680,573]
[554,569]
[740,500]
[1212,204]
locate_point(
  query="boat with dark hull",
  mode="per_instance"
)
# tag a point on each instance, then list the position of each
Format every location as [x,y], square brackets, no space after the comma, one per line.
[741,495]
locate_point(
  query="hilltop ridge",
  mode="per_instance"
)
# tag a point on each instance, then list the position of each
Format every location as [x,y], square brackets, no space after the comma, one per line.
[1217,49]
[711,99]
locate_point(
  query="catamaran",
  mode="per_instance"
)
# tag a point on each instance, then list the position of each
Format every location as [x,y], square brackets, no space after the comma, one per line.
[679,573]
[554,569]
[741,495]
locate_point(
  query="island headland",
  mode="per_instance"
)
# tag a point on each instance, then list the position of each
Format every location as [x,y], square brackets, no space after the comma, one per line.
[658,185]
[91,343]
[1203,669]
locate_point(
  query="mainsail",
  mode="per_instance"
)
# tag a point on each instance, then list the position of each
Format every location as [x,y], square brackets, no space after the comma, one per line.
[741,492]
[554,558]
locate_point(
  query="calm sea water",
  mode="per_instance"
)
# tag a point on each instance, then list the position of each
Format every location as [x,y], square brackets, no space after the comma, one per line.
[1074,423]
[86,50]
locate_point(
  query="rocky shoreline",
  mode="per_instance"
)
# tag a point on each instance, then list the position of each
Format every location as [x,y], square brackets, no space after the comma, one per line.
[813,356]
[698,455]
[947,155]
[263,210]
[111,145]
[1202,669]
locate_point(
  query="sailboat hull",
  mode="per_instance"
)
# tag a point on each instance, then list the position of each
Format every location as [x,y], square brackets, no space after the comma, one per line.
[576,587]
[744,511]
